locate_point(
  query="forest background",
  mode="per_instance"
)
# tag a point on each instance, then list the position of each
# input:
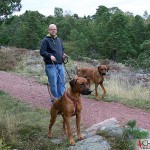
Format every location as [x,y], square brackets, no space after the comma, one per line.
[110,33]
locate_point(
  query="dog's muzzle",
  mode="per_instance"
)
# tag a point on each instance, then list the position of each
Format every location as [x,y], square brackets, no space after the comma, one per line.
[86,92]
[103,74]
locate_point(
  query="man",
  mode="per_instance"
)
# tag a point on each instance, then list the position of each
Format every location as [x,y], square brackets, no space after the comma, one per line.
[52,51]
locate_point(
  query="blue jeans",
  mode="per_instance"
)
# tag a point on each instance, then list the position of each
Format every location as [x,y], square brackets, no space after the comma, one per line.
[56,79]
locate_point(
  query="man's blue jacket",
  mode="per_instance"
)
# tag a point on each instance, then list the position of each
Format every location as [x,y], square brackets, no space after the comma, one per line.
[52,46]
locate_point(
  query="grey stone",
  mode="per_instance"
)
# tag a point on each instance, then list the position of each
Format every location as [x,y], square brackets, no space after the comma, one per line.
[57,141]
[112,122]
[92,143]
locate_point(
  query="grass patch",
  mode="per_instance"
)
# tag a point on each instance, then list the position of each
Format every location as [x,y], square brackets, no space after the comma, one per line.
[128,94]
[125,93]
[25,127]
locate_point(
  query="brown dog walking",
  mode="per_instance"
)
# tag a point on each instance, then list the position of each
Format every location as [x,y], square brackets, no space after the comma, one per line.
[95,75]
[69,105]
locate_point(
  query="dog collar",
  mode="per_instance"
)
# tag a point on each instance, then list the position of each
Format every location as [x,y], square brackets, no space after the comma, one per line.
[71,97]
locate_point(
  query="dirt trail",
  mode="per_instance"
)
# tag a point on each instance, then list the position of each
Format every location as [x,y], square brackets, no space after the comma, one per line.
[28,90]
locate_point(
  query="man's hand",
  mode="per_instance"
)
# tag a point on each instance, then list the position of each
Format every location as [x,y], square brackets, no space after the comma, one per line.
[65,58]
[53,58]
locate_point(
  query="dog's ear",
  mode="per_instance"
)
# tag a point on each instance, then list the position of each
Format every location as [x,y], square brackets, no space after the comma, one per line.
[99,69]
[107,68]
[87,78]
[73,83]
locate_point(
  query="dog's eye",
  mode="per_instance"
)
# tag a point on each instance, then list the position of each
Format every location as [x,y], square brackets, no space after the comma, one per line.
[82,85]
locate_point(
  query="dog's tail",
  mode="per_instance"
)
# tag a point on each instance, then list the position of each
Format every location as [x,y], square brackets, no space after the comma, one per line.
[51,95]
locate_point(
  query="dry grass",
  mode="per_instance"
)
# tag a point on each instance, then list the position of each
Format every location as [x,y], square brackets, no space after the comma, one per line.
[123,91]
[10,57]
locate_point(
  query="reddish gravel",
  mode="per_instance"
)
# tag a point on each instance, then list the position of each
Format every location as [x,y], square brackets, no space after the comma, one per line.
[28,90]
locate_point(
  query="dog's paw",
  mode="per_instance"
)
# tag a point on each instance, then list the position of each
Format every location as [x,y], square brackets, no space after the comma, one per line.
[49,134]
[80,137]
[98,98]
[72,142]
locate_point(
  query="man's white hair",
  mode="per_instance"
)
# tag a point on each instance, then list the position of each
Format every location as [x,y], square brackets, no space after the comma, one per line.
[52,25]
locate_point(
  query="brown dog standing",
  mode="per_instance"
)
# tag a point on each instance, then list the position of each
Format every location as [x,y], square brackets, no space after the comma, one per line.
[69,105]
[96,75]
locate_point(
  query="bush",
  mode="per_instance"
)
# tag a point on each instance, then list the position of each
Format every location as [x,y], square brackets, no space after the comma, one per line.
[144,60]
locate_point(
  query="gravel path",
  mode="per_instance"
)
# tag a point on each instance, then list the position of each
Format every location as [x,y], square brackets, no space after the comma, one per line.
[28,90]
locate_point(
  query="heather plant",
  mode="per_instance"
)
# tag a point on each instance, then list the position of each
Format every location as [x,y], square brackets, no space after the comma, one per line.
[10,57]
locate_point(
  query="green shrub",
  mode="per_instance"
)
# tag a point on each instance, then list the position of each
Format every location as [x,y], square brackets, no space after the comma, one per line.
[132,132]
[144,60]
[4,146]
